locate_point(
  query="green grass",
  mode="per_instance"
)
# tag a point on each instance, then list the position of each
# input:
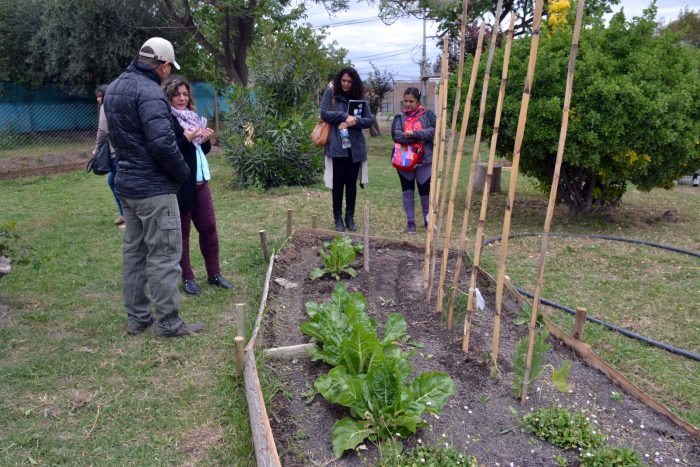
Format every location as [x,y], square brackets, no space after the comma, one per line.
[76,389]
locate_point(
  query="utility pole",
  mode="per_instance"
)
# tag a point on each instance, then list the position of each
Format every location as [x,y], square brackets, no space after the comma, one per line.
[423,68]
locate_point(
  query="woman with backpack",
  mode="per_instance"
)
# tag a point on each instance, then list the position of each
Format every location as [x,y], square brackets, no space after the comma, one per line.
[413,131]
[103,138]
[345,152]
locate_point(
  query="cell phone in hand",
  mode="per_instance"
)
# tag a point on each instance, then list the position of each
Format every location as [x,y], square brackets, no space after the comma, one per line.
[203,122]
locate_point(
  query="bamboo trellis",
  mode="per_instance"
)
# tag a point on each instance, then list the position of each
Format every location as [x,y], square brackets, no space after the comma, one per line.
[553,194]
[479,238]
[472,168]
[450,147]
[438,140]
[455,174]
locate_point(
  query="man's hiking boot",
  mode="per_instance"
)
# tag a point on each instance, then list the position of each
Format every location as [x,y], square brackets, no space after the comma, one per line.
[184,330]
[135,329]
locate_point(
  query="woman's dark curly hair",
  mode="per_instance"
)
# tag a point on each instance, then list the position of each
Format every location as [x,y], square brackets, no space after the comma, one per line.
[358,89]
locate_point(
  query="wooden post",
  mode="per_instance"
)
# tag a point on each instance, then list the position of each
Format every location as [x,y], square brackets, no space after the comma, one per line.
[216,116]
[472,168]
[314,222]
[240,320]
[579,323]
[265,247]
[513,183]
[434,166]
[479,239]
[290,352]
[240,355]
[455,173]
[261,431]
[290,213]
[365,253]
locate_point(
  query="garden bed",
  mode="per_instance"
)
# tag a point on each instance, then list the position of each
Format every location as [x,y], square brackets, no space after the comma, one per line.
[477,419]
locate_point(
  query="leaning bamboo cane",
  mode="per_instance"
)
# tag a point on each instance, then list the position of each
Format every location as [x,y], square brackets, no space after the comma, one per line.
[434,165]
[437,216]
[552,195]
[479,238]
[456,172]
[450,147]
[472,167]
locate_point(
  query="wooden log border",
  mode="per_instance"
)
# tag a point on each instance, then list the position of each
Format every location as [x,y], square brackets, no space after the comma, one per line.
[263,439]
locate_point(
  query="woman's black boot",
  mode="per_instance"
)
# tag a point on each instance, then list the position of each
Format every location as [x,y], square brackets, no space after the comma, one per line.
[339,227]
[350,221]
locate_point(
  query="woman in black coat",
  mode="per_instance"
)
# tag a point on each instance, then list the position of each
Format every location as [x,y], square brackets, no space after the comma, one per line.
[194,196]
[345,155]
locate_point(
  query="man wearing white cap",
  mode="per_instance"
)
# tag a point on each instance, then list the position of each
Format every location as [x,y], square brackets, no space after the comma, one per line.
[150,172]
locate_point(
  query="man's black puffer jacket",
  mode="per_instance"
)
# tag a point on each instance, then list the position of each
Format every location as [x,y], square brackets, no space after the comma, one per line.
[149,162]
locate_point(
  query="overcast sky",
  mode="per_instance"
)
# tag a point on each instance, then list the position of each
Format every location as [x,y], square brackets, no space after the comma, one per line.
[398,48]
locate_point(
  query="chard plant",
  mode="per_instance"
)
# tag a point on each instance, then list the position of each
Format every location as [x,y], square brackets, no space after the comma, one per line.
[340,254]
[345,334]
[382,402]
[559,375]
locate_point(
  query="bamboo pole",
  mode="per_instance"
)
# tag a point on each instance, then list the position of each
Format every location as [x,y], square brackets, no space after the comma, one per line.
[314,221]
[290,215]
[434,166]
[450,146]
[479,238]
[290,352]
[437,215]
[216,116]
[472,167]
[455,173]
[553,190]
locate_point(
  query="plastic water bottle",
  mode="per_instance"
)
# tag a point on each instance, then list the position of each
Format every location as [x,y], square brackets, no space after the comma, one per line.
[345,138]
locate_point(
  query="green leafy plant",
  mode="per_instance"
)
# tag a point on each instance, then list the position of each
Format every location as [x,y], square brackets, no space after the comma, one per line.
[8,234]
[537,367]
[382,402]
[347,336]
[605,456]
[431,456]
[341,252]
[562,428]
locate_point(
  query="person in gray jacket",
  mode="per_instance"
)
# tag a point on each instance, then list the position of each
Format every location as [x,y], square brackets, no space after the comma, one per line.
[150,172]
[346,152]
[415,126]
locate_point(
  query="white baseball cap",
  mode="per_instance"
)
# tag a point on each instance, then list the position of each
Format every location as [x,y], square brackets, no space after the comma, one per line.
[160,49]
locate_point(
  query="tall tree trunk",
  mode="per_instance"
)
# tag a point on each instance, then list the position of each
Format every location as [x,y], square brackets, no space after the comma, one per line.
[374,129]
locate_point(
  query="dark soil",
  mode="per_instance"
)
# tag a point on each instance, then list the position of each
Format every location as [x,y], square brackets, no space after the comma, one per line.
[477,419]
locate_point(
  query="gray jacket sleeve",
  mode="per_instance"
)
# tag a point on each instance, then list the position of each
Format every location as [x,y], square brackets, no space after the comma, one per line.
[102,130]
[397,131]
[155,115]
[365,121]
[427,134]
[328,115]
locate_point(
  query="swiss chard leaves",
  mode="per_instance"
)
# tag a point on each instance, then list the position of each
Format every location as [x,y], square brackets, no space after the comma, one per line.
[340,255]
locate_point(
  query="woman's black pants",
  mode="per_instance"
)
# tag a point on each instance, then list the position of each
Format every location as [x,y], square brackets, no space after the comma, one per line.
[345,173]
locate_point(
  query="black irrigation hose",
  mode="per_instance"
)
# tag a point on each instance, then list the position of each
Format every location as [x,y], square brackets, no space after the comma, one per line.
[618,329]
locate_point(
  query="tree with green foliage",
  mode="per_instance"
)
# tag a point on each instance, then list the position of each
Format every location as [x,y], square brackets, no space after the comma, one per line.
[268,142]
[688,25]
[635,110]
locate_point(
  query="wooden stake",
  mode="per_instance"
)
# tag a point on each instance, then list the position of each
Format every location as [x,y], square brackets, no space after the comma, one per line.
[265,247]
[314,221]
[240,320]
[555,180]
[455,173]
[261,431]
[434,165]
[472,167]
[240,355]
[479,239]
[579,323]
[290,214]
[365,253]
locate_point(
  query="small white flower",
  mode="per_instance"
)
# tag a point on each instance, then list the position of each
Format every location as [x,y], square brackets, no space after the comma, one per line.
[420,441]
[447,445]
[631,421]
[641,426]
[512,464]
[588,454]
[538,389]
[532,451]
[595,421]
[593,431]
[465,407]
[444,436]
[470,411]
[646,455]
[678,461]
[656,453]
[428,403]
